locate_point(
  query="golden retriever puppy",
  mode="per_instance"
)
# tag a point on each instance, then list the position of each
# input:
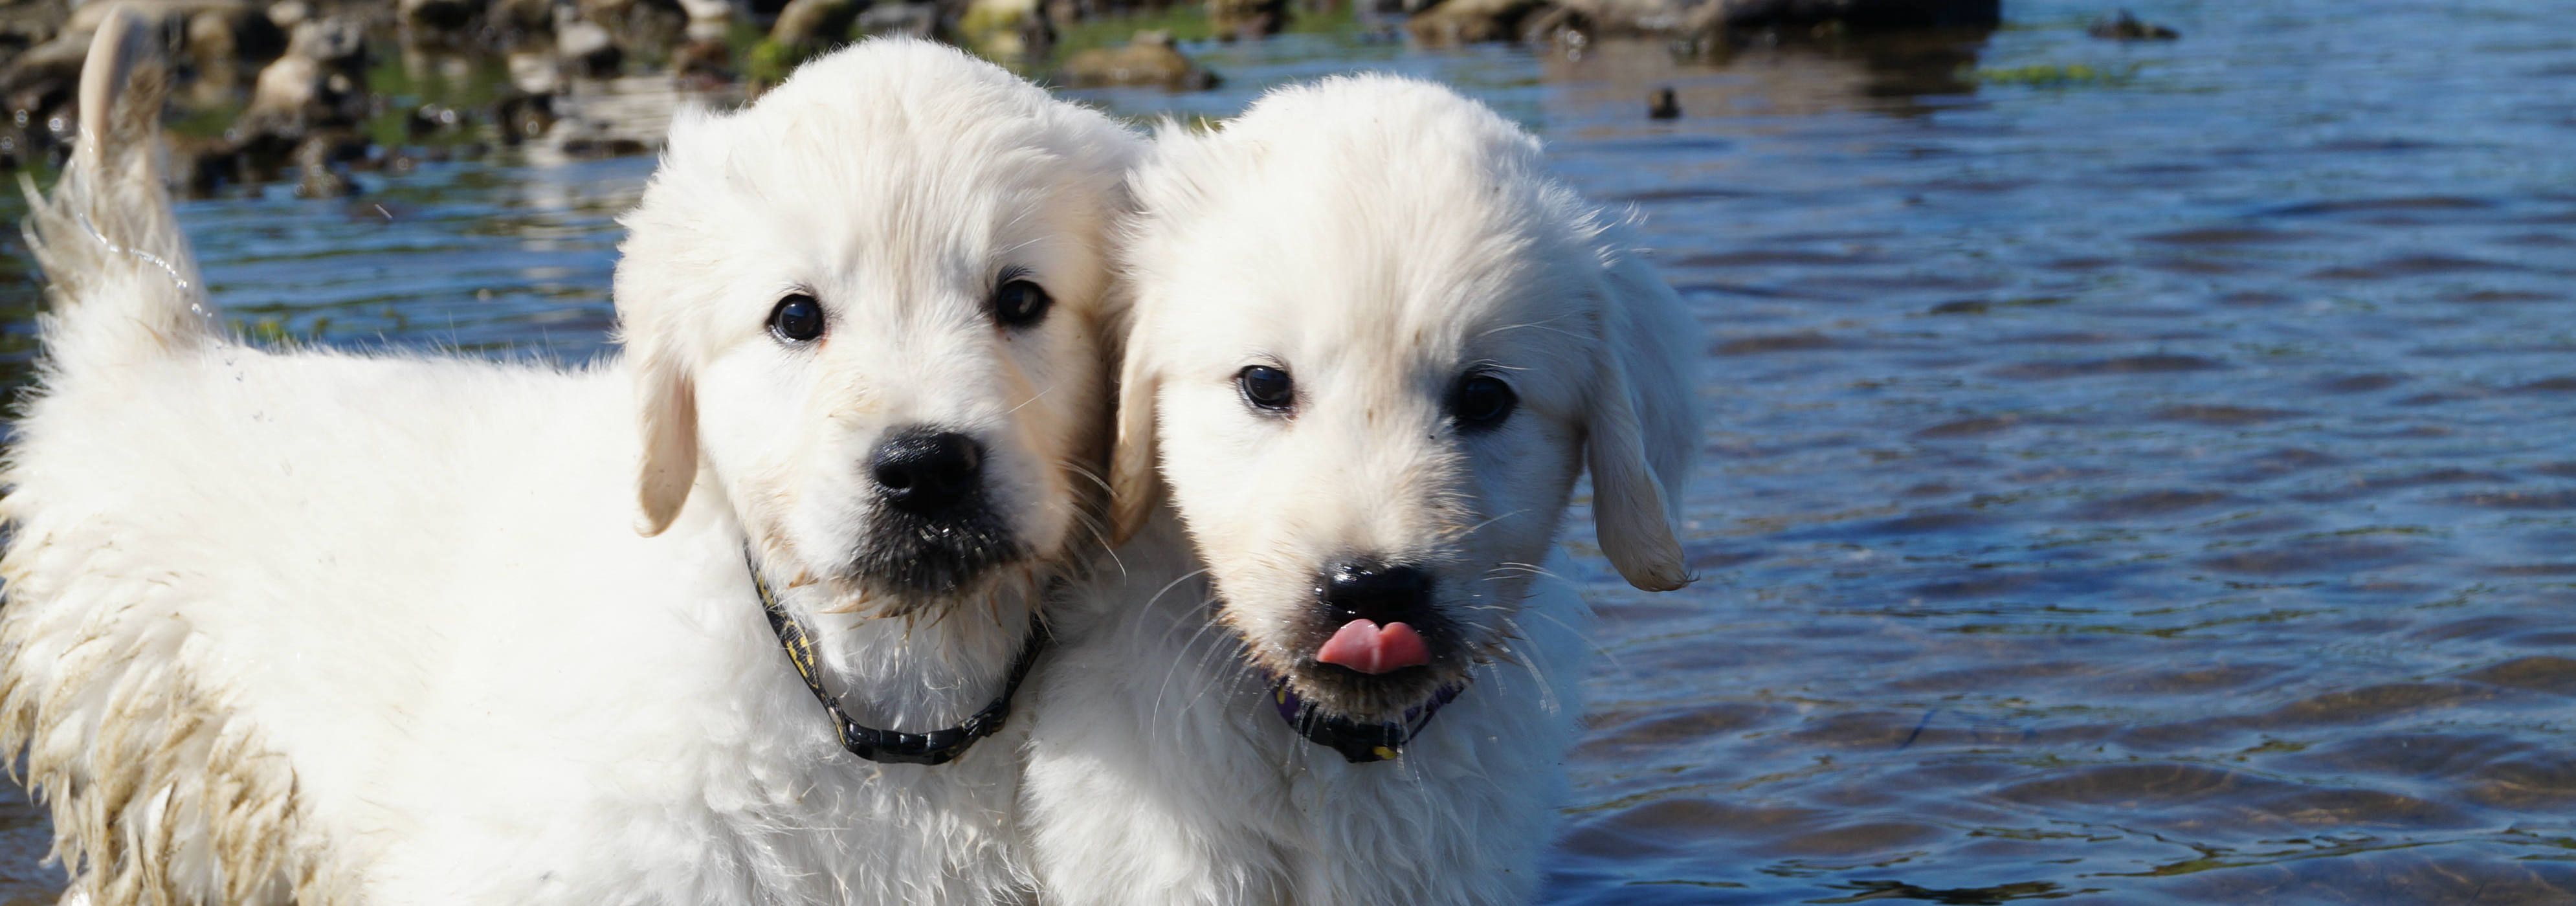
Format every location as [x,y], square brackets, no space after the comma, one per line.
[298,625]
[1373,345]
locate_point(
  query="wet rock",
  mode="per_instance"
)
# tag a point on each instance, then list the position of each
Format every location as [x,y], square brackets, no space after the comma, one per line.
[645,28]
[27,24]
[1253,19]
[709,20]
[1662,105]
[591,148]
[214,56]
[231,38]
[535,72]
[524,16]
[438,15]
[433,119]
[317,84]
[44,75]
[1775,17]
[287,14]
[587,47]
[524,117]
[318,170]
[339,42]
[290,93]
[200,166]
[918,20]
[1007,29]
[1859,15]
[812,25]
[223,47]
[1471,21]
[703,63]
[86,17]
[2126,27]
[1147,59]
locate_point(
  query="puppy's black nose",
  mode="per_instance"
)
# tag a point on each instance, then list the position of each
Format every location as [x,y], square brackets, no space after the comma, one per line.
[1367,589]
[925,472]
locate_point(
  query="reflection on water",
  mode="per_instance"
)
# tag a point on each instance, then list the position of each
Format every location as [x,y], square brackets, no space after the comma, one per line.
[2149,480]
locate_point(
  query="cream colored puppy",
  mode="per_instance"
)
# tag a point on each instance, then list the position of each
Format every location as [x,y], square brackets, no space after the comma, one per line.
[1373,346]
[315,627]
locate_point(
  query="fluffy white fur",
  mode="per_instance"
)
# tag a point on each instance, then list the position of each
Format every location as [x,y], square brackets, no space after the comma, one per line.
[1378,239]
[321,627]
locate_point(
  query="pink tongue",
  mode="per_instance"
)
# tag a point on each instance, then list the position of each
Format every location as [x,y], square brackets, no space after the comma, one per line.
[1366,647]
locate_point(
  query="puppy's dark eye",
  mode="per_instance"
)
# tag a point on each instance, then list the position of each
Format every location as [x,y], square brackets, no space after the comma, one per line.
[797,318]
[1267,388]
[1481,402]
[1021,303]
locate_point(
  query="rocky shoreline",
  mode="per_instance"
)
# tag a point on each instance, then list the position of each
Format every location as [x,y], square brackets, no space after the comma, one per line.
[315,89]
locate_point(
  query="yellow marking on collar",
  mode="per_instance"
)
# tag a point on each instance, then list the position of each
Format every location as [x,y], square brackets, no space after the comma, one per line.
[1382,752]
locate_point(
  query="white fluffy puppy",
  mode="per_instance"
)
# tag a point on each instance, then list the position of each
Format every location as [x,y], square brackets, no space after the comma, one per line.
[1373,344]
[309,626]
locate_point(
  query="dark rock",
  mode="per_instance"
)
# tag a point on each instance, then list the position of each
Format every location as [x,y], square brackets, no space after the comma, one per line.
[603,147]
[523,117]
[44,77]
[433,119]
[588,48]
[1471,21]
[1253,19]
[1687,18]
[2126,27]
[703,63]
[336,41]
[202,165]
[1147,59]
[1860,15]
[287,14]
[641,28]
[918,20]
[27,24]
[318,170]
[1008,29]
[1662,105]
[812,25]
[524,16]
[439,15]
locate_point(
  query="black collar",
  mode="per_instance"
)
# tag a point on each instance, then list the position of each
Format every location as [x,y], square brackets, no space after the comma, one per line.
[1359,743]
[934,747]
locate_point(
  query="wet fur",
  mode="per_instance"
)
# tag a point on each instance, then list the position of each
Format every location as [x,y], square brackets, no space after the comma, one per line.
[309,626]
[1378,238]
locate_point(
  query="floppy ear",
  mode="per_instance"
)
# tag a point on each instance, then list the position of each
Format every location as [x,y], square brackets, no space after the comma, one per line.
[668,414]
[1135,479]
[1641,431]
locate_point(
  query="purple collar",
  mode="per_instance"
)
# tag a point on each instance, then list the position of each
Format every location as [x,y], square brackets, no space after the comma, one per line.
[1358,742]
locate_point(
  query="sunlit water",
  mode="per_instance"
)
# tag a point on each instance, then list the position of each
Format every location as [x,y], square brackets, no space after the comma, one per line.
[2135,473]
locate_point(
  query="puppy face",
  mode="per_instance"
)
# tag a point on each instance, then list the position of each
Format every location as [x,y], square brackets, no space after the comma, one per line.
[1375,346]
[869,305]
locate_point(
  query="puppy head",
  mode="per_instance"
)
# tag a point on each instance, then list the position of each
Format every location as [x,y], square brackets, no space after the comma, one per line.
[1375,344]
[867,309]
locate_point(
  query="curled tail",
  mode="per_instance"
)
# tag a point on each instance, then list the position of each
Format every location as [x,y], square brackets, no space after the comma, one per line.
[123,283]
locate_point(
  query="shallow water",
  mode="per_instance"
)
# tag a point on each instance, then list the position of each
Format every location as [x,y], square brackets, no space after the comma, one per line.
[2135,473]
